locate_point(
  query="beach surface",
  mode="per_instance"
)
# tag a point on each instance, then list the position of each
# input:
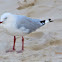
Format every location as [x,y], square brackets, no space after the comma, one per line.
[43,45]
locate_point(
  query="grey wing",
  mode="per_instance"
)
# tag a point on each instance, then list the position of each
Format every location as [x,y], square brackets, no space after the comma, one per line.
[28,23]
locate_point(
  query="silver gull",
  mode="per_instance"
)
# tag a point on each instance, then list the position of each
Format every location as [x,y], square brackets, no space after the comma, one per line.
[19,25]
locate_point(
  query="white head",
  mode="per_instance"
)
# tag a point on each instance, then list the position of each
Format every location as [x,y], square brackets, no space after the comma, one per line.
[4,17]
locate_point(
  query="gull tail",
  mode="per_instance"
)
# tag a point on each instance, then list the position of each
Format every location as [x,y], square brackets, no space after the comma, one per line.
[49,20]
[46,21]
[43,22]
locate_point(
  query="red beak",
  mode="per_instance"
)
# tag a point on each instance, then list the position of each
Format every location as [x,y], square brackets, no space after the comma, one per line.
[0,22]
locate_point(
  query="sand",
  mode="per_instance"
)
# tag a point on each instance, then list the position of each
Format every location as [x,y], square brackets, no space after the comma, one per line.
[43,45]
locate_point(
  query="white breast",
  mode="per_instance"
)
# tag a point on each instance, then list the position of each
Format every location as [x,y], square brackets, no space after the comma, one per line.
[12,30]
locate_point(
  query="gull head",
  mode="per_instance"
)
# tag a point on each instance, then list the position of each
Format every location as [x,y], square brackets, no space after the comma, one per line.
[5,17]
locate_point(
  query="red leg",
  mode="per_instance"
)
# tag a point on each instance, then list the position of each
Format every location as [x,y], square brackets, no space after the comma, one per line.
[14,43]
[13,46]
[22,43]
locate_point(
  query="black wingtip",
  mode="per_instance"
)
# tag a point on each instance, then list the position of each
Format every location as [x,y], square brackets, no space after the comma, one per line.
[42,21]
[50,20]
